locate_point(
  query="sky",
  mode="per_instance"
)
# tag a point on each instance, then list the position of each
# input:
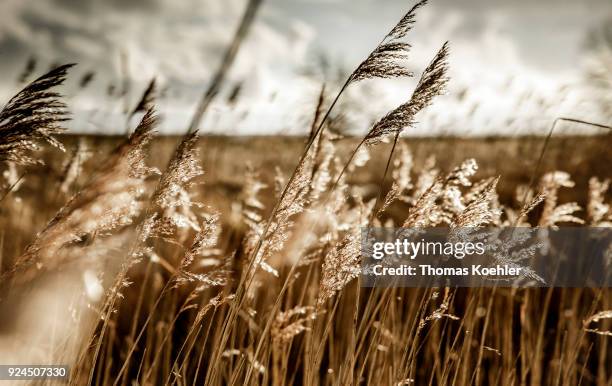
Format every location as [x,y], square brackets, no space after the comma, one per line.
[515,64]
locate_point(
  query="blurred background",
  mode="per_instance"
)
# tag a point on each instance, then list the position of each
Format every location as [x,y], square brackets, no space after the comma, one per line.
[515,64]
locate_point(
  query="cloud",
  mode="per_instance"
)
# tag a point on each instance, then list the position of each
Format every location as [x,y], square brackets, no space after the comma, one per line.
[179,42]
[505,53]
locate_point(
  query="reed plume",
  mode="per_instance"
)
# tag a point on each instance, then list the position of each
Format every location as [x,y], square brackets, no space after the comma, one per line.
[108,202]
[382,62]
[598,211]
[35,114]
[552,213]
[431,84]
[172,194]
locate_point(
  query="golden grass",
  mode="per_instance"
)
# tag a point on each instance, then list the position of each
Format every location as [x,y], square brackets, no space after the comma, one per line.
[163,261]
[298,321]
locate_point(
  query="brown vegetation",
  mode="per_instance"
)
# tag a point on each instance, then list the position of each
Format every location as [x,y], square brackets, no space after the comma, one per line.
[218,261]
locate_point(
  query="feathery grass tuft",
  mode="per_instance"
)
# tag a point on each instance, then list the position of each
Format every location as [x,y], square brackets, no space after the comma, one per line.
[432,83]
[401,29]
[35,114]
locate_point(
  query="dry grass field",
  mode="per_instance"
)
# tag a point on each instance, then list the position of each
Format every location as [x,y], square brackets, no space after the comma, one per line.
[202,260]
[290,326]
[225,161]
